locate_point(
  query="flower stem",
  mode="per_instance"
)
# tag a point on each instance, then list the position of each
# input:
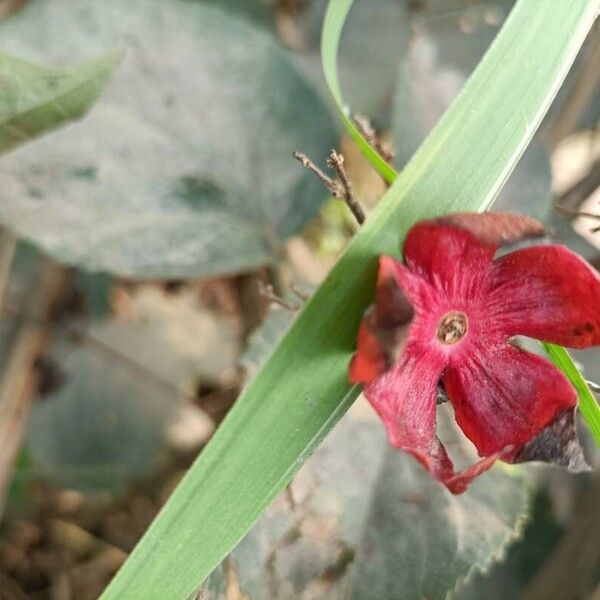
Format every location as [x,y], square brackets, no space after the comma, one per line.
[587,402]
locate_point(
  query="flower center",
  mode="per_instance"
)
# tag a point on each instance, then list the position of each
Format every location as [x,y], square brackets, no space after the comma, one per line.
[452,328]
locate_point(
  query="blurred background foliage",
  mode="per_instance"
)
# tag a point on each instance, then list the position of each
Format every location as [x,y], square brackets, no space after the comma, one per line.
[135,248]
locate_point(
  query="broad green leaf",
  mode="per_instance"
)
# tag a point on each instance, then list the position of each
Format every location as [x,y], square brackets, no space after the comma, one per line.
[121,397]
[184,167]
[302,390]
[361,520]
[421,541]
[103,427]
[34,99]
[508,578]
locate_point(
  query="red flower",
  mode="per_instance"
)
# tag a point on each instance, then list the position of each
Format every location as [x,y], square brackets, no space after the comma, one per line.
[446,317]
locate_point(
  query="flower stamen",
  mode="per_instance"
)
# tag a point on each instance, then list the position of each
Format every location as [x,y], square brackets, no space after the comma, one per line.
[452,328]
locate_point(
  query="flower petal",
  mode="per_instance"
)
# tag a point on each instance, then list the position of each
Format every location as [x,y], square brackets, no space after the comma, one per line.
[495,229]
[463,240]
[445,255]
[503,397]
[548,293]
[383,330]
[405,399]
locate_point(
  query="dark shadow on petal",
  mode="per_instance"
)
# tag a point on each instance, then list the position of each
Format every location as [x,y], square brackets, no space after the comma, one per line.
[384,329]
[557,444]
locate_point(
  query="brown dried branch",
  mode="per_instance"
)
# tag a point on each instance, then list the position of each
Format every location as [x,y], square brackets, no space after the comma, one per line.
[579,213]
[266,291]
[9,7]
[573,212]
[289,16]
[341,188]
[8,246]
[336,161]
[303,296]
[579,193]
[367,130]
[332,185]
[582,189]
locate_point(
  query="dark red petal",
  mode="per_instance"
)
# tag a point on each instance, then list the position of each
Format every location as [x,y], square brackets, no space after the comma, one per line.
[495,229]
[392,307]
[383,330]
[503,397]
[548,293]
[463,240]
[444,255]
[405,398]
[371,358]
[459,482]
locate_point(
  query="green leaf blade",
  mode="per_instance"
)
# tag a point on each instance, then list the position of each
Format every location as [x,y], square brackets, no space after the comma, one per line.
[588,405]
[34,100]
[335,17]
[303,390]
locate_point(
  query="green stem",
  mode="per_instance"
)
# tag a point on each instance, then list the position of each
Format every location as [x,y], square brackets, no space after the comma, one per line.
[587,402]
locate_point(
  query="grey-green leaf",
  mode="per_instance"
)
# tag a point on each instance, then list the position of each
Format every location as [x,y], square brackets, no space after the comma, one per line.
[184,168]
[103,427]
[34,99]
[362,520]
[421,542]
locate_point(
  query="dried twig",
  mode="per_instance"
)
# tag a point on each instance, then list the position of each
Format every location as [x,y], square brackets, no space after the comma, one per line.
[368,132]
[573,212]
[579,193]
[336,161]
[303,296]
[10,590]
[342,188]
[266,291]
[289,23]
[8,7]
[332,185]
[582,189]
[579,213]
